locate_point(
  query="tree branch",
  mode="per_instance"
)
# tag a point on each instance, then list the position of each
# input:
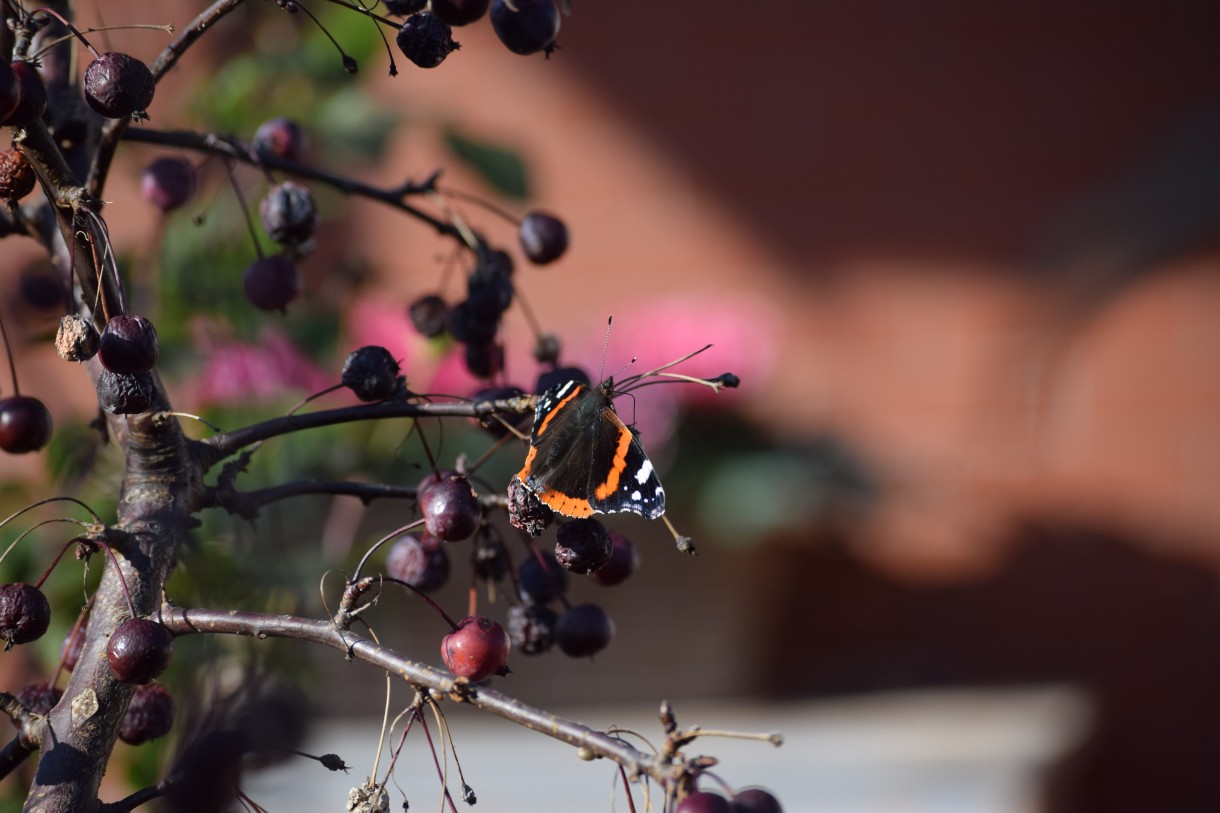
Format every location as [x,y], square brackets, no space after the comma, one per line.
[264,625]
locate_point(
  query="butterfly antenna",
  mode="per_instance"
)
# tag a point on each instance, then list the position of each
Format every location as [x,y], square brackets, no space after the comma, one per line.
[605,346]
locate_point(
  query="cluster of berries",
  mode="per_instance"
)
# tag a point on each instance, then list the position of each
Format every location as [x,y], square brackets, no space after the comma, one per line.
[426,38]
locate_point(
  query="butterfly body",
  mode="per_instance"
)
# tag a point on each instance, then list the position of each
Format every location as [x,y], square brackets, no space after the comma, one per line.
[584,460]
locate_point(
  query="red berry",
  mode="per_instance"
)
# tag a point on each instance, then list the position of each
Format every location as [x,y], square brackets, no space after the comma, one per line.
[139,650]
[17,178]
[150,715]
[118,85]
[544,237]
[583,630]
[24,614]
[128,345]
[451,509]
[477,649]
[25,424]
[167,183]
[271,282]
[704,802]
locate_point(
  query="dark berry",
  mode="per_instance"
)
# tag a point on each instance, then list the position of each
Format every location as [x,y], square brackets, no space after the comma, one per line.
[39,698]
[559,376]
[126,393]
[489,560]
[451,509]
[41,291]
[279,138]
[531,627]
[429,315]
[582,545]
[271,282]
[289,214]
[476,649]
[139,650]
[489,288]
[25,424]
[421,563]
[540,578]
[495,424]
[546,348]
[371,373]
[525,511]
[33,96]
[17,178]
[459,12]
[24,614]
[425,40]
[10,91]
[544,237]
[528,28]
[77,339]
[484,360]
[150,715]
[468,326]
[118,85]
[624,559]
[703,802]
[167,183]
[430,479]
[755,800]
[583,630]
[404,7]
[128,345]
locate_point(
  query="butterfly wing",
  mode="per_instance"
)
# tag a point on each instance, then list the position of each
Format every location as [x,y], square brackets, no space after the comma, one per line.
[623,477]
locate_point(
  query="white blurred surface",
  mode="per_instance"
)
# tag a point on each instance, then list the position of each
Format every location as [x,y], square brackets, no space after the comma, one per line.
[959,751]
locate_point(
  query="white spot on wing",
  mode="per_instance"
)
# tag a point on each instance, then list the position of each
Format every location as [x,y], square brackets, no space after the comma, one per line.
[645,470]
[635,495]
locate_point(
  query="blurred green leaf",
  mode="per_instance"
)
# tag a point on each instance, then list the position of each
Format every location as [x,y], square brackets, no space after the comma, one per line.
[71,454]
[503,168]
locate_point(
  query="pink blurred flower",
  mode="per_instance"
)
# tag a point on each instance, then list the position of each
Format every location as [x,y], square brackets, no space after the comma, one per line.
[236,372]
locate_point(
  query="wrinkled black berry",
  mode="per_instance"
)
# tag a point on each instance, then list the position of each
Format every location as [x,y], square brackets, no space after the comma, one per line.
[528,29]
[25,613]
[289,214]
[531,627]
[540,578]
[425,40]
[77,339]
[525,511]
[149,716]
[118,85]
[17,178]
[371,373]
[125,393]
[582,545]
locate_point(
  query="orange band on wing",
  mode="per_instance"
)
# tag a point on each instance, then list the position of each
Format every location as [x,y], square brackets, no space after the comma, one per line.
[524,474]
[568,506]
[616,468]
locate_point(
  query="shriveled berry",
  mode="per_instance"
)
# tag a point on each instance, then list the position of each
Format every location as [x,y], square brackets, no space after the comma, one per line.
[402,8]
[77,339]
[25,424]
[525,511]
[484,360]
[40,697]
[544,237]
[125,393]
[624,559]
[525,26]
[531,627]
[426,40]
[495,424]
[25,614]
[289,214]
[583,630]
[704,802]
[140,649]
[420,562]
[476,649]
[271,282]
[429,315]
[755,800]
[540,578]
[118,85]
[167,183]
[559,376]
[17,178]
[149,716]
[451,509]
[468,326]
[279,138]
[582,545]
[10,91]
[459,12]
[371,373]
[128,345]
[33,96]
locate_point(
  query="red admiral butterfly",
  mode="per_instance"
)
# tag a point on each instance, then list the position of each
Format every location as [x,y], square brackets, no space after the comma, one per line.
[583,459]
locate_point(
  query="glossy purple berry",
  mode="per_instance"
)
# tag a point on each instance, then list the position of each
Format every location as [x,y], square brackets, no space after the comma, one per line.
[451,509]
[140,649]
[167,183]
[33,93]
[126,393]
[149,716]
[289,214]
[526,26]
[421,562]
[25,424]
[582,545]
[118,85]
[624,559]
[459,12]
[271,282]
[583,630]
[25,614]
[371,373]
[279,138]
[704,802]
[755,800]
[128,344]
[544,237]
[426,40]
[540,578]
